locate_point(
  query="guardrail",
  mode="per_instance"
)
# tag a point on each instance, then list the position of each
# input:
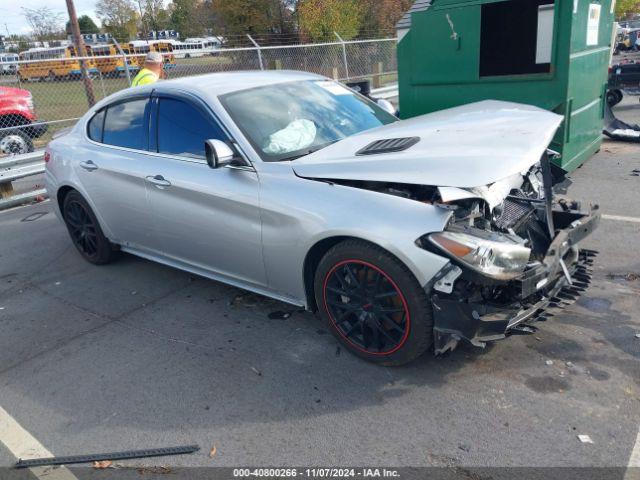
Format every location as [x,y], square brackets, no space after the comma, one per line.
[385,92]
[14,168]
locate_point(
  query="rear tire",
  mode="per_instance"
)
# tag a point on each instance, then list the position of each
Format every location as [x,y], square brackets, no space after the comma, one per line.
[373,304]
[614,97]
[85,231]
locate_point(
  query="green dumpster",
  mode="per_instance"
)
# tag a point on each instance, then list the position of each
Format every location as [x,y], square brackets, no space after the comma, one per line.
[554,55]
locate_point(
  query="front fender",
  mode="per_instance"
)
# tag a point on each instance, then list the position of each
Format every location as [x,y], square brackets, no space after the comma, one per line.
[298,213]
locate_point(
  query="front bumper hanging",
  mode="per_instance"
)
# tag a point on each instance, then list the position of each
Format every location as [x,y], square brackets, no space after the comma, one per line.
[539,293]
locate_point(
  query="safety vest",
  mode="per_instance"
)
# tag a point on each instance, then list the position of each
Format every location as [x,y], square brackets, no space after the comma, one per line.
[144,77]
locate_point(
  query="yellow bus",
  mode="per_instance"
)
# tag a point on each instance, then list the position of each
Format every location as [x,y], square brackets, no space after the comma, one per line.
[107,59]
[142,47]
[52,64]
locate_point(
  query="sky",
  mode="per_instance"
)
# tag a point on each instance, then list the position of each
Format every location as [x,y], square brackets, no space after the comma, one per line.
[11,16]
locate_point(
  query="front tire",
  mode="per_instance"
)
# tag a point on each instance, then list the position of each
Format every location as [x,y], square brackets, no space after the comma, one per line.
[15,142]
[373,304]
[85,230]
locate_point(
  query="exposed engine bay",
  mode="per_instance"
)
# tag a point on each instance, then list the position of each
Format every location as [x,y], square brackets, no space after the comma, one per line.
[514,206]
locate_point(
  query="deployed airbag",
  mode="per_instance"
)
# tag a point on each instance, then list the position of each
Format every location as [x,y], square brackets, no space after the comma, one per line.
[298,135]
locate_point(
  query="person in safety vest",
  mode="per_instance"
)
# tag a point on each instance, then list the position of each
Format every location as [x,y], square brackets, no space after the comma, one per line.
[151,71]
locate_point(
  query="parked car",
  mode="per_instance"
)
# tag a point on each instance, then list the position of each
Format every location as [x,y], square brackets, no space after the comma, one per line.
[8,63]
[19,124]
[404,235]
[622,76]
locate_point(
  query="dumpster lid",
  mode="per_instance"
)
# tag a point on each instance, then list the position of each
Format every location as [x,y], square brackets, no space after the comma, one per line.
[418,6]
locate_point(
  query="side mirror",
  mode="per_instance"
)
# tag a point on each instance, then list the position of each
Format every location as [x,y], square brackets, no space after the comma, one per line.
[387,106]
[218,153]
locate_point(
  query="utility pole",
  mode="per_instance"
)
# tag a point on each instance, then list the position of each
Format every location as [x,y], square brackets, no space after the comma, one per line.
[80,52]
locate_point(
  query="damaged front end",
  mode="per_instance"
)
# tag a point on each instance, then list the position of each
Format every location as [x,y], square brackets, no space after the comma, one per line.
[514,258]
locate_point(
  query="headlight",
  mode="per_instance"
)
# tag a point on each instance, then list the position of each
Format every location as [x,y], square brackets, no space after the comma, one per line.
[495,255]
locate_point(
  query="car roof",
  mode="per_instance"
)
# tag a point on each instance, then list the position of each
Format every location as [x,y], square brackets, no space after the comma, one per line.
[210,86]
[215,84]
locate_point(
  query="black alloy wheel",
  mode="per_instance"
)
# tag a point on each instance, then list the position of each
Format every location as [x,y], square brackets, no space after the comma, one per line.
[85,230]
[373,304]
[366,307]
[82,228]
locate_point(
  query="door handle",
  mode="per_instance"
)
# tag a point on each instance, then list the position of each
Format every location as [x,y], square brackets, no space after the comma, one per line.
[159,181]
[89,166]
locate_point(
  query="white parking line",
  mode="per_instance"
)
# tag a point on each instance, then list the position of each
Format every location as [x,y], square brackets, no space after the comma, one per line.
[633,469]
[620,218]
[23,445]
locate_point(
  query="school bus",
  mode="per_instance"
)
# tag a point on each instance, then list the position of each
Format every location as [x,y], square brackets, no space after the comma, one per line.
[107,59]
[141,47]
[52,64]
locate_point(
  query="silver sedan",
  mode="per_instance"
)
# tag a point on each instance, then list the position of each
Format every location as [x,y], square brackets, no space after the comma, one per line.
[405,235]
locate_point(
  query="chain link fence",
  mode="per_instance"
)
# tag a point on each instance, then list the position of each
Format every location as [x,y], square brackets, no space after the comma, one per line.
[40,97]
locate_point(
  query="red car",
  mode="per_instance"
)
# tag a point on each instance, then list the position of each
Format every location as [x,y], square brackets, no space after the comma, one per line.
[18,122]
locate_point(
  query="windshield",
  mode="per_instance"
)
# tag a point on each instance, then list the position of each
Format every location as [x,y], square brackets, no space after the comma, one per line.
[289,120]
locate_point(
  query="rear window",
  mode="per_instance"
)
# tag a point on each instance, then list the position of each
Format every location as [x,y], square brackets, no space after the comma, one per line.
[124,125]
[94,129]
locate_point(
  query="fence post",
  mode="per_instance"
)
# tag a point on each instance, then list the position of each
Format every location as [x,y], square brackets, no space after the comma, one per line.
[258,49]
[124,58]
[344,55]
[6,190]
[377,75]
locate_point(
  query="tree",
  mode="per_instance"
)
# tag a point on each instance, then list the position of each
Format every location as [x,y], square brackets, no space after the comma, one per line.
[627,8]
[380,16]
[240,17]
[44,22]
[119,18]
[153,14]
[87,25]
[319,19]
[185,18]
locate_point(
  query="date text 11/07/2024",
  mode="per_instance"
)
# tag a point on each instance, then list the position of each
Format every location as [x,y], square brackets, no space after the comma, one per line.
[316,472]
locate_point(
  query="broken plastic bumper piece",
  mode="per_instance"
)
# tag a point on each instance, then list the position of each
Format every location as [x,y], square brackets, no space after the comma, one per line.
[467,308]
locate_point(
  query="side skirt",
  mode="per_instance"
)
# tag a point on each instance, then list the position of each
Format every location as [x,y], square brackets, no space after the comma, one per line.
[212,275]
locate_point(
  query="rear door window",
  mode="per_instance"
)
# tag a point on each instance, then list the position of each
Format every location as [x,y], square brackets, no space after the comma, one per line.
[125,125]
[183,129]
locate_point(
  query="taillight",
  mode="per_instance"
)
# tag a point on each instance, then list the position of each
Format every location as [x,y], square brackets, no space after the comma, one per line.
[47,156]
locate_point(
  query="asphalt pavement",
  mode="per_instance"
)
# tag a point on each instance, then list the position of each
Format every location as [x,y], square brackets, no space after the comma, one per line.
[137,355]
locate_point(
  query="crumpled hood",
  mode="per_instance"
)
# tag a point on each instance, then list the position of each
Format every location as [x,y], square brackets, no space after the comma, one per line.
[467,146]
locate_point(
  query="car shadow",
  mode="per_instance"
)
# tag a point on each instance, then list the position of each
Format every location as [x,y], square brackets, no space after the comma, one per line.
[204,354]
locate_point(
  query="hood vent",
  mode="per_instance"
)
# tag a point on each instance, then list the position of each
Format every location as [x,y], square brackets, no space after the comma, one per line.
[390,145]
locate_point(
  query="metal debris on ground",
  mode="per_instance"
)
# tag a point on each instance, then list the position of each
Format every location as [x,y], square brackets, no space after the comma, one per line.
[630,277]
[100,457]
[279,315]
[244,299]
[616,129]
[585,438]
[154,470]
[256,371]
